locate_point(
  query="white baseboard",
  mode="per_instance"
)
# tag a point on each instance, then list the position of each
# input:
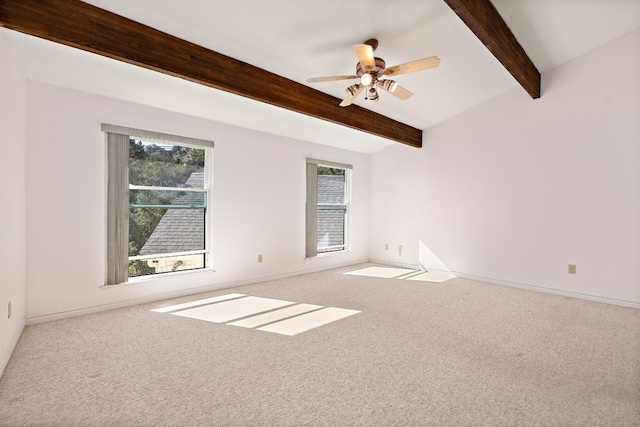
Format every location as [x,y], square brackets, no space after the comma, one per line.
[181,293]
[578,295]
[9,351]
[397,264]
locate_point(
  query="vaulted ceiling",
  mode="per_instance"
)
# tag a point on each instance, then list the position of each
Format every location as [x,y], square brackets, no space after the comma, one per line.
[297,40]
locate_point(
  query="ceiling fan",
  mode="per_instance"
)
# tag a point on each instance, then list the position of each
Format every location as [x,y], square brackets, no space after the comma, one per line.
[373,74]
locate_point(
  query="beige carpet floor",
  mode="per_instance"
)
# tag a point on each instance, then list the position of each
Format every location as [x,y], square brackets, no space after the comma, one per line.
[456,353]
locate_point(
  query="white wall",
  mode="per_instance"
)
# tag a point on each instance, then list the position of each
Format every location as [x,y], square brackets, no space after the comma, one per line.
[258,197]
[516,189]
[12,198]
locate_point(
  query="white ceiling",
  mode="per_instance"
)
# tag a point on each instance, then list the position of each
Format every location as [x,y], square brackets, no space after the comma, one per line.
[301,39]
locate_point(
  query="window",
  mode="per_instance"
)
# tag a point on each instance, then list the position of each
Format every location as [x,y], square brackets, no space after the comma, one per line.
[167,208]
[328,197]
[158,203]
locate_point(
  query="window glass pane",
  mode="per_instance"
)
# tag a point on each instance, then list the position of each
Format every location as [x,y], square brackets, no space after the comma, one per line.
[331,222]
[157,231]
[166,264]
[183,199]
[332,209]
[165,165]
[331,185]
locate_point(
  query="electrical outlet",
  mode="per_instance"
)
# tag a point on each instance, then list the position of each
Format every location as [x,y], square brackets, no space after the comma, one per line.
[9,310]
[400,250]
[572,269]
[386,246]
[259,257]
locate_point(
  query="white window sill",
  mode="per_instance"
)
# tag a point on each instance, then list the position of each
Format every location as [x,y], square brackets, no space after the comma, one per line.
[329,254]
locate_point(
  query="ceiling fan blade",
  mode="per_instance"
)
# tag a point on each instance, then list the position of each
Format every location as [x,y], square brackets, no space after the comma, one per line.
[399,92]
[330,78]
[352,97]
[365,56]
[410,67]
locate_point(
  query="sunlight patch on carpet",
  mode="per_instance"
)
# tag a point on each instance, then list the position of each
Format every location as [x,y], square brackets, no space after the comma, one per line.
[263,314]
[383,272]
[231,310]
[403,274]
[196,303]
[299,324]
[433,276]
[274,316]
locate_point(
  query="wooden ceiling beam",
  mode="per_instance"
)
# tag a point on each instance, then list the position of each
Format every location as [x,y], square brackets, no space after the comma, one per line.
[84,26]
[485,22]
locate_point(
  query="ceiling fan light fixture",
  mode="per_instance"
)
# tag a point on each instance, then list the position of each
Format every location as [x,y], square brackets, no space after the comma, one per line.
[389,85]
[352,90]
[367,79]
[373,95]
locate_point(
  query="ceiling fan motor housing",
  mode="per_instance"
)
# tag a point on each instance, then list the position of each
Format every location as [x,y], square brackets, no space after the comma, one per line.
[378,71]
[373,43]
